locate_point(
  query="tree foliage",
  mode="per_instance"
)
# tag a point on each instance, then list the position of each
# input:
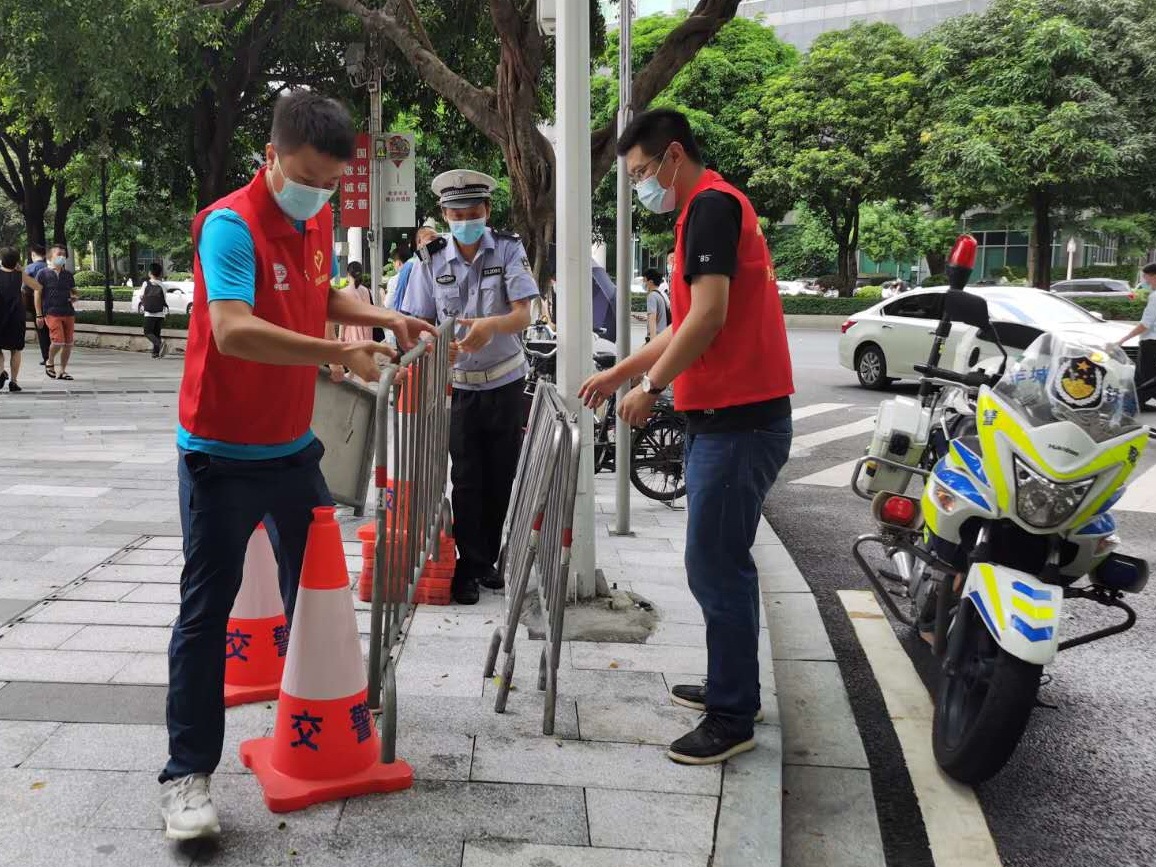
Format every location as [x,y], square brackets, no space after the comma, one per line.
[891,230]
[805,247]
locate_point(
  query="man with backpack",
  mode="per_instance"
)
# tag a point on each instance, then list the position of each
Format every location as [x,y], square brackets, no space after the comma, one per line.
[155,305]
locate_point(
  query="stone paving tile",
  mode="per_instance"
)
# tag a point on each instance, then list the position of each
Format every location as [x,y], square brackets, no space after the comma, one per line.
[633,722]
[103,540]
[60,666]
[10,608]
[97,747]
[829,818]
[169,528]
[429,620]
[137,574]
[475,716]
[649,820]
[595,765]
[430,677]
[168,594]
[145,669]
[31,589]
[37,636]
[46,802]
[19,739]
[818,726]
[497,853]
[777,571]
[609,685]
[142,557]
[127,639]
[750,818]
[637,657]
[99,591]
[645,558]
[25,570]
[680,634]
[457,811]
[162,543]
[106,614]
[79,556]
[83,703]
[435,755]
[797,630]
[94,846]
[26,553]
[370,845]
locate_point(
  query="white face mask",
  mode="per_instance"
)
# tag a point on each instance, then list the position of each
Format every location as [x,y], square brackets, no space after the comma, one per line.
[654,196]
[298,201]
[59,262]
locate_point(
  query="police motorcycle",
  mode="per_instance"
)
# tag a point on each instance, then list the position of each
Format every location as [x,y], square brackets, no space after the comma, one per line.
[1019,469]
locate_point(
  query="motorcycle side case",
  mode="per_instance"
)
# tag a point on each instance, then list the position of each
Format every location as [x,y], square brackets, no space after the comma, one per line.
[1020,611]
[901,432]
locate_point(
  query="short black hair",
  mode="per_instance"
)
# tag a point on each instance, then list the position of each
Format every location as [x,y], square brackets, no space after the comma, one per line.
[652,275]
[354,268]
[1150,268]
[61,246]
[401,253]
[155,269]
[304,117]
[39,250]
[654,130]
[9,257]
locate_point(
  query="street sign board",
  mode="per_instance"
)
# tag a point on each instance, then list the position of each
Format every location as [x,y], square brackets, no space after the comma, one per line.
[355,187]
[398,202]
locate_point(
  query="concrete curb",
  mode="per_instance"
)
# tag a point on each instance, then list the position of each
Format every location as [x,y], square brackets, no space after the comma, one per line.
[815,321]
[122,337]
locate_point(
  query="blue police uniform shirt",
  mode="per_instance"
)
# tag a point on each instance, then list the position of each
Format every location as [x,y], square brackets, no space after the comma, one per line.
[448,286]
[228,263]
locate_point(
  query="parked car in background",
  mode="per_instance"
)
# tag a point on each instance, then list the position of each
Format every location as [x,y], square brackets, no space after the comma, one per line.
[885,342]
[179,294]
[1095,287]
[793,287]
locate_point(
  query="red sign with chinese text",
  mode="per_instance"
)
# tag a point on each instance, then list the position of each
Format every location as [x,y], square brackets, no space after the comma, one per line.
[355,186]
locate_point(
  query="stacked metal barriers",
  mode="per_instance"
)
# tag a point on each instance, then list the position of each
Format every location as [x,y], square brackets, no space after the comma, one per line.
[412,433]
[538,532]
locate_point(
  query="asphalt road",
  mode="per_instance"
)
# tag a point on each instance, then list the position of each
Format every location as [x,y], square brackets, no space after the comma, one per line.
[1080,789]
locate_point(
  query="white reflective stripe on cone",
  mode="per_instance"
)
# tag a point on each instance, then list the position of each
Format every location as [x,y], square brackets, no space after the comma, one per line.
[324,648]
[260,594]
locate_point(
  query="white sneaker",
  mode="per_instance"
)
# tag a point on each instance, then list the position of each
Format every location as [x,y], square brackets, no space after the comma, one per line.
[188,810]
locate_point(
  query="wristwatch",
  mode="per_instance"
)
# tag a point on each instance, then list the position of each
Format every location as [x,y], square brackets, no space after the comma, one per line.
[649,387]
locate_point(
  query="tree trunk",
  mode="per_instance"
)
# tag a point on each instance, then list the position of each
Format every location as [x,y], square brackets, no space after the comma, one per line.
[1042,232]
[64,203]
[213,131]
[936,262]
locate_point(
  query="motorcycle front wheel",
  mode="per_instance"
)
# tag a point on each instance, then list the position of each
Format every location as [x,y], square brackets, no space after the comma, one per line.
[984,700]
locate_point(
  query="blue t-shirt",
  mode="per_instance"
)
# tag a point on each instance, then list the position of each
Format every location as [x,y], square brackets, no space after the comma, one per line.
[228,263]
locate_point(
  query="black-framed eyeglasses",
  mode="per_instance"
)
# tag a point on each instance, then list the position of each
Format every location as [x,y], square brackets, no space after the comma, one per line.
[639,174]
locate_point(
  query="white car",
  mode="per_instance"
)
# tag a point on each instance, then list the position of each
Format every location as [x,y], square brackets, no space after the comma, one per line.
[885,342]
[793,287]
[179,294]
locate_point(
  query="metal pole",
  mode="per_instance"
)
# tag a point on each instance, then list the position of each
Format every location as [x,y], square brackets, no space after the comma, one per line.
[104,223]
[625,271]
[373,236]
[576,315]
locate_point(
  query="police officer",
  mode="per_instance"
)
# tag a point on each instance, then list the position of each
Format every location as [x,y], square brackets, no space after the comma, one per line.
[483,278]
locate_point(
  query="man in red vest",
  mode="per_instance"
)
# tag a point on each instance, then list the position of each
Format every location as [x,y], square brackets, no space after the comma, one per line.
[261,272]
[727,357]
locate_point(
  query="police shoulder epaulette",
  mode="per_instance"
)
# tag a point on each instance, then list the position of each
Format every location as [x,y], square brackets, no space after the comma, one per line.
[426,252]
[509,236]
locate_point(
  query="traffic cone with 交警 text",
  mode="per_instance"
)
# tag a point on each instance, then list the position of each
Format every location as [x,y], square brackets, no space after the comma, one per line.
[325,744]
[257,637]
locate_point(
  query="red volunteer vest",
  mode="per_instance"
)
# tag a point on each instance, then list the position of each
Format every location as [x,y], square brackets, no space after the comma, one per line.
[748,361]
[246,402]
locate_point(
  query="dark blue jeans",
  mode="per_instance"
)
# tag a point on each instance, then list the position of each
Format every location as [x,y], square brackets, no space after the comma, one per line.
[222,501]
[728,476]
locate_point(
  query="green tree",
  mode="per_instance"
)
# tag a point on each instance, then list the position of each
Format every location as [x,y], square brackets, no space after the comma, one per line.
[1048,111]
[840,129]
[890,230]
[714,90]
[804,247]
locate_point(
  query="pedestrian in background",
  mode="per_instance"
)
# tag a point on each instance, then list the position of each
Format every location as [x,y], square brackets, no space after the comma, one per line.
[1145,329]
[728,360]
[357,290]
[423,236]
[37,253]
[156,305]
[55,310]
[12,315]
[657,308]
[400,255]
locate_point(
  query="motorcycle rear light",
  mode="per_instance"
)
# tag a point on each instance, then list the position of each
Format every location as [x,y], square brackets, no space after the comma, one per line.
[898,510]
[848,325]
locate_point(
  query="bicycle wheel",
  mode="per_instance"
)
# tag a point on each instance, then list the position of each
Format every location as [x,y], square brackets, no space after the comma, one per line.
[656,469]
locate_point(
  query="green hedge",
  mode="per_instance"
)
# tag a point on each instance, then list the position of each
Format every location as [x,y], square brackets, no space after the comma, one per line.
[131,320]
[934,280]
[119,293]
[818,305]
[89,278]
[1129,311]
[1108,272]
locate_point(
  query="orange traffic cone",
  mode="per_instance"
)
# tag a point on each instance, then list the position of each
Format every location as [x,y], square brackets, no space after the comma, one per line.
[258,636]
[325,744]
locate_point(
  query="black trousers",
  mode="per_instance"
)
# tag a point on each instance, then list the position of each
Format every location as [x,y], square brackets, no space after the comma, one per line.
[1146,372]
[152,330]
[485,440]
[44,339]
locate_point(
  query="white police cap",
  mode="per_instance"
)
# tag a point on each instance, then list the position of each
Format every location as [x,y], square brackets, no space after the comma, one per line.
[463,188]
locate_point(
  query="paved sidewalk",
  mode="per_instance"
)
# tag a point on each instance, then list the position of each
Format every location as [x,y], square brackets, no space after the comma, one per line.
[89,571]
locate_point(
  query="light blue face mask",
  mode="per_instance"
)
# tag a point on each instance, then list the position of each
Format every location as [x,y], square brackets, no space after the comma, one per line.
[468,231]
[298,201]
[653,195]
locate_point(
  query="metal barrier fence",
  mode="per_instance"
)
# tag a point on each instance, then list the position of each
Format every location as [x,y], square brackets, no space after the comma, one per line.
[538,531]
[412,450]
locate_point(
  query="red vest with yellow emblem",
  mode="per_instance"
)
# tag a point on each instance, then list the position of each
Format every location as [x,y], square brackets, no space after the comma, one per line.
[237,401]
[748,361]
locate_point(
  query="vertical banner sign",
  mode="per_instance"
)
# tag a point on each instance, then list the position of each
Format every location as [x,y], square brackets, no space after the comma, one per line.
[398,179]
[355,187]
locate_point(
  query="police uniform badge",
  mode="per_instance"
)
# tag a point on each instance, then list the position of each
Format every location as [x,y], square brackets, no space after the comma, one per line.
[1079,382]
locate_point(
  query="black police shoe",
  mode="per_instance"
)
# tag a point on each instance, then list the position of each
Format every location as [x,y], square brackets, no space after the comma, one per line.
[693,695]
[715,740]
[492,579]
[465,591]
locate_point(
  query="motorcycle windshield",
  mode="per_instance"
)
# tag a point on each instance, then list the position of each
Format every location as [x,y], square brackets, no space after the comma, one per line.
[1060,378]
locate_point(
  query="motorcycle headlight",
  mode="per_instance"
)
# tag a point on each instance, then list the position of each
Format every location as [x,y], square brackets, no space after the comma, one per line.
[1043,503]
